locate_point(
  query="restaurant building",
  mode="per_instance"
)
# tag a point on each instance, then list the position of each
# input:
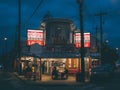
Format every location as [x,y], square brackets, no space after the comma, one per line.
[59,43]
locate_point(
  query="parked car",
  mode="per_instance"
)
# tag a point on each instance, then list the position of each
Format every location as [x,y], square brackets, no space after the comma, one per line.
[102,72]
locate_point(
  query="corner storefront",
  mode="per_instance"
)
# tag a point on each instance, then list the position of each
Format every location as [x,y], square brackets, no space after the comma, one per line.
[44,65]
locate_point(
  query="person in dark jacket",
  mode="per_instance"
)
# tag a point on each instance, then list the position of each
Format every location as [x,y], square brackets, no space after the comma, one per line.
[28,72]
[43,67]
[65,73]
[54,73]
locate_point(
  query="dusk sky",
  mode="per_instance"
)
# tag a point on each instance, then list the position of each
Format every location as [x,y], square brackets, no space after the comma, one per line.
[60,9]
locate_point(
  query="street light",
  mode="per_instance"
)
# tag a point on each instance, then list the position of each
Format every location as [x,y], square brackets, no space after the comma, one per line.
[107,41]
[5,39]
[117,50]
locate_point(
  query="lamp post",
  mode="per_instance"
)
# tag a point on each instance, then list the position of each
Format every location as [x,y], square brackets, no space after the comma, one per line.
[107,41]
[117,50]
[5,39]
[19,28]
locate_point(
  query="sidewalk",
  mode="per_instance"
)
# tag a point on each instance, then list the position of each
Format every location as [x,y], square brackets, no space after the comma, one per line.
[46,80]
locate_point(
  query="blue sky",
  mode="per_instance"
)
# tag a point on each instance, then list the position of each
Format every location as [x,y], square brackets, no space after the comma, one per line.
[60,9]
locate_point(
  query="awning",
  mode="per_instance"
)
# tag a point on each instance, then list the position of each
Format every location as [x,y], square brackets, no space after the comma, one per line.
[55,55]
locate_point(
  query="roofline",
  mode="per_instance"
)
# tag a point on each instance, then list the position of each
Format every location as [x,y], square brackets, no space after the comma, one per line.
[47,20]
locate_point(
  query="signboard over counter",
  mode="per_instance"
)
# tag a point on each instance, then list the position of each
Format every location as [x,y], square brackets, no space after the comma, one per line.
[35,36]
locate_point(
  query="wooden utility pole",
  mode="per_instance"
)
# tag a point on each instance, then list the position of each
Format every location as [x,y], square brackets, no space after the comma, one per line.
[96,33]
[82,42]
[101,31]
[19,32]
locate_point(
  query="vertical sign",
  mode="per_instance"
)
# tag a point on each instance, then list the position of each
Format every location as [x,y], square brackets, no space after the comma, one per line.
[87,40]
[77,40]
[35,36]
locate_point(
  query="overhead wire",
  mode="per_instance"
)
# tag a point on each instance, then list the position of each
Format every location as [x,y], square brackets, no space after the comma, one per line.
[40,3]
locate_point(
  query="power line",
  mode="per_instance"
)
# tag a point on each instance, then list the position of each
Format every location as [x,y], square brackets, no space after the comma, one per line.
[34,11]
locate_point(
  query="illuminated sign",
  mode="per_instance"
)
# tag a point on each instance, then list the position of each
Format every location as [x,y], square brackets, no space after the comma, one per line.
[77,40]
[35,36]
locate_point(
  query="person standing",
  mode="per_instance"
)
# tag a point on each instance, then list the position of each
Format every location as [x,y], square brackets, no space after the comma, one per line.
[65,73]
[43,67]
[54,73]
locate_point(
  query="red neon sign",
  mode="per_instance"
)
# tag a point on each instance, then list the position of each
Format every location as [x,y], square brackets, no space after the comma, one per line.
[35,36]
[77,39]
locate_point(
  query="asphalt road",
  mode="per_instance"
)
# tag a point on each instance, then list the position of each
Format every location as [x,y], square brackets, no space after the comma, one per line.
[114,82]
[4,84]
[8,81]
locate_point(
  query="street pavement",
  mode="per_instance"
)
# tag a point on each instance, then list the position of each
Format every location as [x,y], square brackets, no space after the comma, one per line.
[114,82]
[46,80]
[13,81]
[9,82]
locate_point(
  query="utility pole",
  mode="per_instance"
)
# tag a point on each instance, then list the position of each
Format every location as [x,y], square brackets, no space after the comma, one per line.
[82,41]
[96,34]
[19,31]
[101,31]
